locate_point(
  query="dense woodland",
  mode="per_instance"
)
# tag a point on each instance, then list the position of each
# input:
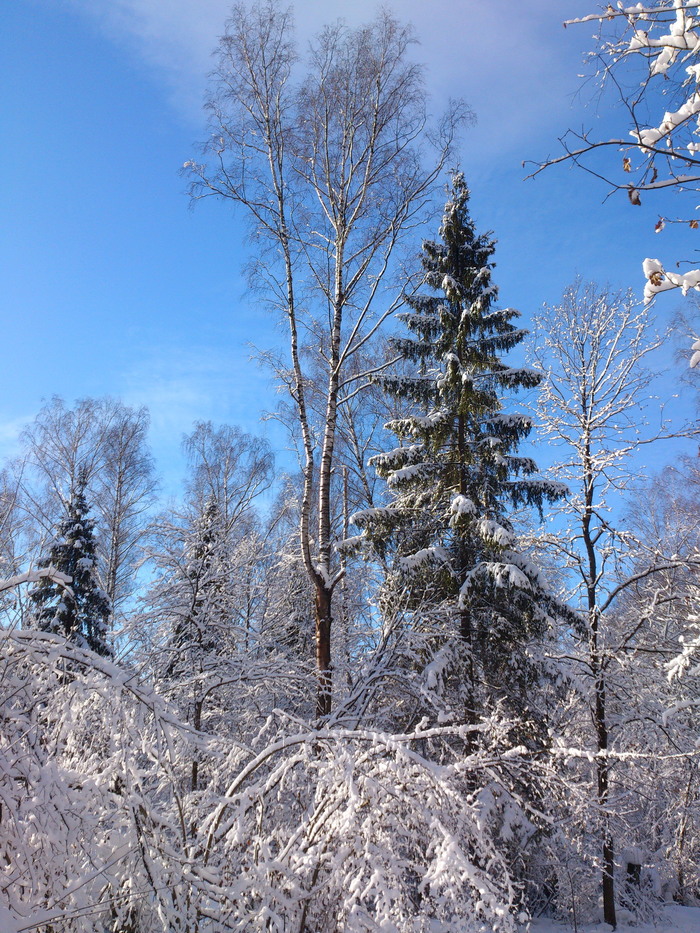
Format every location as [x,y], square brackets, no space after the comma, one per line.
[405,680]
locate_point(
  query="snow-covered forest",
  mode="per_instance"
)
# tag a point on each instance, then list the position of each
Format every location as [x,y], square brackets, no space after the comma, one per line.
[400,676]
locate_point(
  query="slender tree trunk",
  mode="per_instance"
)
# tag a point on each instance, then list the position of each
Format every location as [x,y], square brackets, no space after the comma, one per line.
[323,650]
[470,714]
[599,712]
[324,579]
[465,619]
[113,565]
[682,833]
[603,775]
[197,724]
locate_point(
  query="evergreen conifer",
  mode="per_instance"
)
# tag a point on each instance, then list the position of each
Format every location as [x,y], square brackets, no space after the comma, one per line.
[81,610]
[457,476]
[198,598]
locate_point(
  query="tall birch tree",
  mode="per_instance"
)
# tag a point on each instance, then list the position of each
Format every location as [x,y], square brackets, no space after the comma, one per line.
[330,167]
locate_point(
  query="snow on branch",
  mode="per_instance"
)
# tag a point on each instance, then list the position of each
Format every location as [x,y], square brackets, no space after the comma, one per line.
[687,663]
[646,55]
[33,576]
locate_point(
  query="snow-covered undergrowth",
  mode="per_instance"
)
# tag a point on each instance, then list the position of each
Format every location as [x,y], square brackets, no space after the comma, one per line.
[299,828]
[672,919]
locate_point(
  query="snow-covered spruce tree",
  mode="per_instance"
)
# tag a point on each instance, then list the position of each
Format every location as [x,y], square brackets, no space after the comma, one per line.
[194,601]
[456,476]
[195,629]
[470,599]
[80,611]
[106,441]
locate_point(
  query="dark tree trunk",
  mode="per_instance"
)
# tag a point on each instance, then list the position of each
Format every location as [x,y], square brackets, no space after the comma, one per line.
[597,661]
[323,650]
[603,767]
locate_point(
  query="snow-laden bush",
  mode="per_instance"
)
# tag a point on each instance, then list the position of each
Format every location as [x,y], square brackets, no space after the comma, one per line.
[354,830]
[310,828]
[89,834]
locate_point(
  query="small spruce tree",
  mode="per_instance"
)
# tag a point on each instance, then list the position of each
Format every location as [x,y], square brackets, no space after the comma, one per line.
[457,476]
[194,634]
[194,613]
[80,610]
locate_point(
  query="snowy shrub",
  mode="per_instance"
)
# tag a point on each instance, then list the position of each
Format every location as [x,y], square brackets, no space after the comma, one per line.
[89,839]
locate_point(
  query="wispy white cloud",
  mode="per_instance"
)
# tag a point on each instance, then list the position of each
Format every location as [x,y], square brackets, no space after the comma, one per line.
[180,386]
[173,38]
[508,61]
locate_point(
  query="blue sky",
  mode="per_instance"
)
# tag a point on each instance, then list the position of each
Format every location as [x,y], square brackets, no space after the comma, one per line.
[112,285]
